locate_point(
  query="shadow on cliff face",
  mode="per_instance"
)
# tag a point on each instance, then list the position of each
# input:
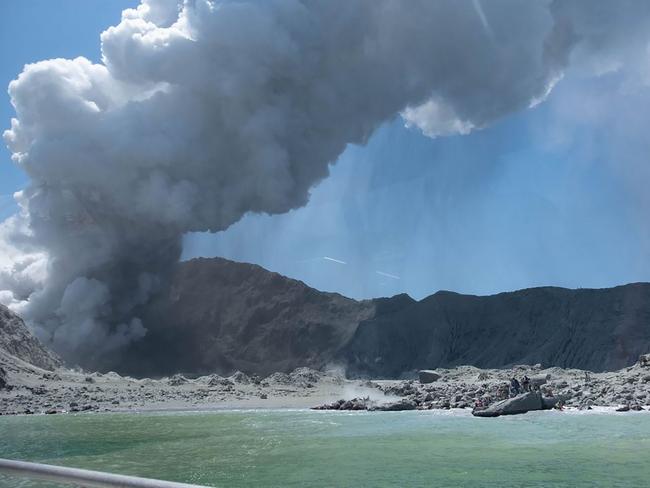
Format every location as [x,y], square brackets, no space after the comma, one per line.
[599,330]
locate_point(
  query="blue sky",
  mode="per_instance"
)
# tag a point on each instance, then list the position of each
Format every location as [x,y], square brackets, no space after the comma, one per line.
[549,196]
[34,30]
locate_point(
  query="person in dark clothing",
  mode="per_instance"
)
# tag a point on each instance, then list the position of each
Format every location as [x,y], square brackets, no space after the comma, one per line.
[515,387]
[525,382]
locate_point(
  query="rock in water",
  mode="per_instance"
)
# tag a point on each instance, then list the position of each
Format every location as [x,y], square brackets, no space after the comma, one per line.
[550,402]
[428,376]
[520,404]
[403,404]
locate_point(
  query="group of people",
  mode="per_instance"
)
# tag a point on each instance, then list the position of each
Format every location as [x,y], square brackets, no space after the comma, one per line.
[516,387]
[509,390]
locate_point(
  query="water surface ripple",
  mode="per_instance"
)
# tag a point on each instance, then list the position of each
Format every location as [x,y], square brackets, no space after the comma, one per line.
[323,449]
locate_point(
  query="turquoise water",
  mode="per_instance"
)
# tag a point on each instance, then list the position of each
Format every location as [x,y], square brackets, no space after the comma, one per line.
[323,449]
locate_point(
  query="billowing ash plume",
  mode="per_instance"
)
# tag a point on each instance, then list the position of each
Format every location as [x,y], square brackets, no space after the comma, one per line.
[202,111]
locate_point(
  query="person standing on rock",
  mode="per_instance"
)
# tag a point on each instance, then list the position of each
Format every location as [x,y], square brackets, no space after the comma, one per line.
[515,387]
[526,383]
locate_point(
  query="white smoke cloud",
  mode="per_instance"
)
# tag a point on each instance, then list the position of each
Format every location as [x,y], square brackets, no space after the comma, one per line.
[202,111]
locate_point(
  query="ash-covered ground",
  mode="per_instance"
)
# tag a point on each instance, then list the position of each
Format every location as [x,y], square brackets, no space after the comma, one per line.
[31,390]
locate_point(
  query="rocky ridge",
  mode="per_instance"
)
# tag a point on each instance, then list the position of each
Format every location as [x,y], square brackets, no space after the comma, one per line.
[223,316]
[219,316]
[16,341]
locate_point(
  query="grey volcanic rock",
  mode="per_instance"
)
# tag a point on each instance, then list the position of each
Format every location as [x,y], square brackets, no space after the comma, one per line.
[428,376]
[177,380]
[219,316]
[16,340]
[523,403]
[403,404]
[538,380]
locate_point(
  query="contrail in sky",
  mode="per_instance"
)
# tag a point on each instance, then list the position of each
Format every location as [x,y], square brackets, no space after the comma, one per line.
[479,10]
[334,260]
[388,275]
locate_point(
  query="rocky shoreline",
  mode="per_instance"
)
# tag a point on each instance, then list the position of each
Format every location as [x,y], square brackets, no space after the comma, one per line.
[27,389]
[465,386]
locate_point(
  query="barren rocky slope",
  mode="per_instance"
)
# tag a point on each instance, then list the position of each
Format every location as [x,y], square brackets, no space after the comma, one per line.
[595,329]
[224,316]
[16,341]
[220,316]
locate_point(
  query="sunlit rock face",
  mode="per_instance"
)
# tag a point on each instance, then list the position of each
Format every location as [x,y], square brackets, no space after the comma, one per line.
[18,342]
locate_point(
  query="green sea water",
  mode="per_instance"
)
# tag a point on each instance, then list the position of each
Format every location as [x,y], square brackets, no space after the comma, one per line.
[336,449]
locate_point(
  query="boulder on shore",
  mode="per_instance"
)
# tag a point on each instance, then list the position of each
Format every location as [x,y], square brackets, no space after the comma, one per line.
[403,404]
[539,380]
[644,360]
[523,403]
[428,376]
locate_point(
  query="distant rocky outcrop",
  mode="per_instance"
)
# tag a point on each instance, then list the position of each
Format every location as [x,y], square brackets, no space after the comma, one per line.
[222,316]
[17,341]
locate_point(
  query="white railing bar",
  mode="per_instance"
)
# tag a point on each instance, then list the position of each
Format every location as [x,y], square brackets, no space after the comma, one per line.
[83,477]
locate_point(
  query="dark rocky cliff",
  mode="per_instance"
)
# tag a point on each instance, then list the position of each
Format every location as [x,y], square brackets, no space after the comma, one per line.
[603,329]
[221,316]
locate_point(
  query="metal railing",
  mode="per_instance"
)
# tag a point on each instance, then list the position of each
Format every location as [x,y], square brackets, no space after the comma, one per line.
[82,477]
